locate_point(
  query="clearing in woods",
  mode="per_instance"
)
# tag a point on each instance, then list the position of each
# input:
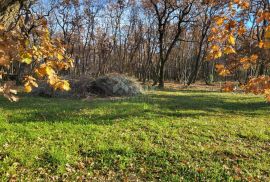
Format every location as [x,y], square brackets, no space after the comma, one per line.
[169,135]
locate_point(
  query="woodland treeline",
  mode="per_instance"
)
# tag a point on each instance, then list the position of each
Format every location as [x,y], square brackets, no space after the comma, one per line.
[153,40]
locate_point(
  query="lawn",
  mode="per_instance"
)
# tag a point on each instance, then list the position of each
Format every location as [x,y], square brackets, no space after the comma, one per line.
[162,135]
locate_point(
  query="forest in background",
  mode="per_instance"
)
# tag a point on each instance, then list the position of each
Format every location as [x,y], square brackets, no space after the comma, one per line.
[146,40]
[153,40]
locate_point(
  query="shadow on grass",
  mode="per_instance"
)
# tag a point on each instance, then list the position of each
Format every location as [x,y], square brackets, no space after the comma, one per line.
[148,165]
[151,106]
[210,103]
[144,165]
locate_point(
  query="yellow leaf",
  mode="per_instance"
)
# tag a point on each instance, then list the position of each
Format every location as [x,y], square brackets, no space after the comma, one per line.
[62,85]
[215,48]
[231,39]
[244,60]
[53,80]
[56,85]
[60,57]
[246,66]
[65,86]
[214,30]
[229,50]
[27,88]
[219,21]
[35,48]
[13,98]
[27,43]
[26,58]
[261,44]
[34,84]
[217,54]
[224,72]
[49,71]
[2,27]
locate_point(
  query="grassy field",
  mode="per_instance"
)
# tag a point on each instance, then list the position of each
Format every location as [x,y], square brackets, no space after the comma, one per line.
[163,135]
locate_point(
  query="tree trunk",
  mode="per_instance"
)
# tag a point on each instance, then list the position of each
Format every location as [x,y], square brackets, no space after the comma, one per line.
[161,74]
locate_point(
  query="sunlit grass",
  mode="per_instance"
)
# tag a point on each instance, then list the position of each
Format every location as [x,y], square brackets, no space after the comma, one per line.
[166,135]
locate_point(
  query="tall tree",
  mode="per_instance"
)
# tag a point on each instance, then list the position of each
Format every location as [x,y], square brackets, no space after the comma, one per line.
[166,13]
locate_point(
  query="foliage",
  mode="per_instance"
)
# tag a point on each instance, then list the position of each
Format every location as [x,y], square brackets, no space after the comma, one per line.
[231,28]
[43,56]
[162,136]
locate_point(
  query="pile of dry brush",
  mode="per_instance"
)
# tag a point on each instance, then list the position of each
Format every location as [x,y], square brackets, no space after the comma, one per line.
[113,85]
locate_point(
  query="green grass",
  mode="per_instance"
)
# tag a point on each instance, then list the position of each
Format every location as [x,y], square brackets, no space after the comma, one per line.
[163,135]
